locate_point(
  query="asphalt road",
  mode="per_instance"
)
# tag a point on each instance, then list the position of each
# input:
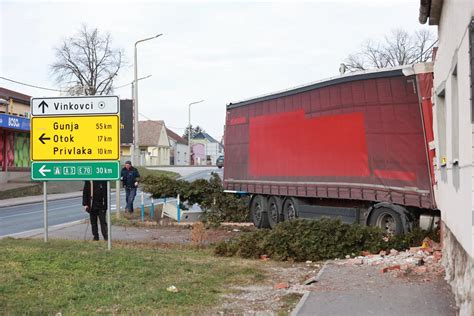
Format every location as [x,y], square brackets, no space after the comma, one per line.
[193,173]
[23,218]
[203,174]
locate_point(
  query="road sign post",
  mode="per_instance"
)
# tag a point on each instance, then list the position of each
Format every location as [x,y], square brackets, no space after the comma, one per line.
[78,139]
[45,212]
[109,224]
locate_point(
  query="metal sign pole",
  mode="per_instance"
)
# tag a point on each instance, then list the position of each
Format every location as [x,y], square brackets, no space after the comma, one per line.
[45,212]
[117,198]
[109,224]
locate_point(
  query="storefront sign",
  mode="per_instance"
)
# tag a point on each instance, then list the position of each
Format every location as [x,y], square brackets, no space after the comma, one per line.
[14,122]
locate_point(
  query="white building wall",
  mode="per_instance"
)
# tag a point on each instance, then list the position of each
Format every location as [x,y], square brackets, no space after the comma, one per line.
[454,189]
[214,150]
[181,155]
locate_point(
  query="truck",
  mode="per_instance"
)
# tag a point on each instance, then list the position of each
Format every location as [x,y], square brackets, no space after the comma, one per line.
[358,147]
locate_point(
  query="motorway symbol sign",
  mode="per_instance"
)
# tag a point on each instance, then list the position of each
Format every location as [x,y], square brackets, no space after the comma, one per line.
[75,138]
[87,105]
[75,170]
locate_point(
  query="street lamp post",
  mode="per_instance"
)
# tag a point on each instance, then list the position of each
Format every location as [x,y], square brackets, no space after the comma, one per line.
[189,129]
[136,149]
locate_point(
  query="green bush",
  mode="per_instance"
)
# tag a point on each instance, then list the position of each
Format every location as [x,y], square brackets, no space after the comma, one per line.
[218,206]
[315,240]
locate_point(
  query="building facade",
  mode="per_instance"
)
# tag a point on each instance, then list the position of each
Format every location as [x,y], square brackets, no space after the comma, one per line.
[179,155]
[14,134]
[453,114]
[212,149]
[154,143]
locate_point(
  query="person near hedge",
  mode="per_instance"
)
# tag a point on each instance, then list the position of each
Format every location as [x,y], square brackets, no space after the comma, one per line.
[94,200]
[130,177]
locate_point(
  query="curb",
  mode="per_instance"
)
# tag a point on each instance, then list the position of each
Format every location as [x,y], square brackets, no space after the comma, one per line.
[303,300]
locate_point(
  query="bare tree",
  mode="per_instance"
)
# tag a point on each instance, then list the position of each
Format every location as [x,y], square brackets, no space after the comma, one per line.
[86,63]
[398,48]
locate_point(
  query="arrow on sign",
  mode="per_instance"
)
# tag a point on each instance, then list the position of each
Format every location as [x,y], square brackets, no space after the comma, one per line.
[42,138]
[43,105]
[42,170]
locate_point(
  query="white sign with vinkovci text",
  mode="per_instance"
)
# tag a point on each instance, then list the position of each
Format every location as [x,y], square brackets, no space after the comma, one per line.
[87,105]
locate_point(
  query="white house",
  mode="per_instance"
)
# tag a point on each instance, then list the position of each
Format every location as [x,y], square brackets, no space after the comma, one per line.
[154,144]
[179,149]
[454,132]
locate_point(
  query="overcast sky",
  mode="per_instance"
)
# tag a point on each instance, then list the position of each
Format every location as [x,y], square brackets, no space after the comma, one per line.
[219,51]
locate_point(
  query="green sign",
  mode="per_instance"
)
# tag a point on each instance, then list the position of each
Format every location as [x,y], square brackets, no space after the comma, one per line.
[75,170]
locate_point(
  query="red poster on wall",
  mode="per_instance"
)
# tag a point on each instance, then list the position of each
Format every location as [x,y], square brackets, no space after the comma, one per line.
[10,153]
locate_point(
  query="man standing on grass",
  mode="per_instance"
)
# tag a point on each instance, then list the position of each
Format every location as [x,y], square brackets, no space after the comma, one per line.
[94,200]
[129,177]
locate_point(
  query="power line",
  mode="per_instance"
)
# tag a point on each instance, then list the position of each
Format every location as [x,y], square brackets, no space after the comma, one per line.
[422,53]
[30,85]
[148,118]
[128,84]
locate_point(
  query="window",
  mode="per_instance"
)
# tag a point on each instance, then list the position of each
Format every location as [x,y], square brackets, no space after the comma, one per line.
[454,116]
[441,125]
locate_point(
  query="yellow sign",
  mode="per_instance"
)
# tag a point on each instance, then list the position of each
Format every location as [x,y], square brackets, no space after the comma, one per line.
[75,138]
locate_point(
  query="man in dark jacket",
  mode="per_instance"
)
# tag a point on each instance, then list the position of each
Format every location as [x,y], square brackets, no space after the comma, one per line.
[94,201]
[129,177]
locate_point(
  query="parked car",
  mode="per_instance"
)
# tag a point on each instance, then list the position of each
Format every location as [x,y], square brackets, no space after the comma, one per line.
[220,161]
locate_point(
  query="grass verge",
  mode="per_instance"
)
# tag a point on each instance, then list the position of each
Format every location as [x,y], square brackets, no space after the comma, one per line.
[82,278]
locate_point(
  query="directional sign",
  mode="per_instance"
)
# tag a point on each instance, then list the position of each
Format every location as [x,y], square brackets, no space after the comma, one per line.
[76,170]
[75,138]
[90,105]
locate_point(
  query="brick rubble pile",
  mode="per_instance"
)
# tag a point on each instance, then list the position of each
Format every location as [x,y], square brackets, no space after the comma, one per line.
[424,260]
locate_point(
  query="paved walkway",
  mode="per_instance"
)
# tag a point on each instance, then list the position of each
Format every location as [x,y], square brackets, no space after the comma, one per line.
[363,290]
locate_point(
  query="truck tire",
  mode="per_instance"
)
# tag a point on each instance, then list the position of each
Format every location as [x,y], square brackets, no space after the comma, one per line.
[274,211]
[290,209]
[388,220]
[258,211]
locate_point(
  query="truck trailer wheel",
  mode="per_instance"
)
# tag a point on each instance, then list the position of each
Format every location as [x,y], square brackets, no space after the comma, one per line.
[258,211]
[290,209]
[274,211]
[387,219]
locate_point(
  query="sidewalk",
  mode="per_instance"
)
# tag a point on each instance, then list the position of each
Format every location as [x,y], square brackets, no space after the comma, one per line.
[363,290]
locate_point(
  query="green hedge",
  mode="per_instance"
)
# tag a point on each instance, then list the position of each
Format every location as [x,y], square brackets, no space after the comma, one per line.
[218,206]
[315,240]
